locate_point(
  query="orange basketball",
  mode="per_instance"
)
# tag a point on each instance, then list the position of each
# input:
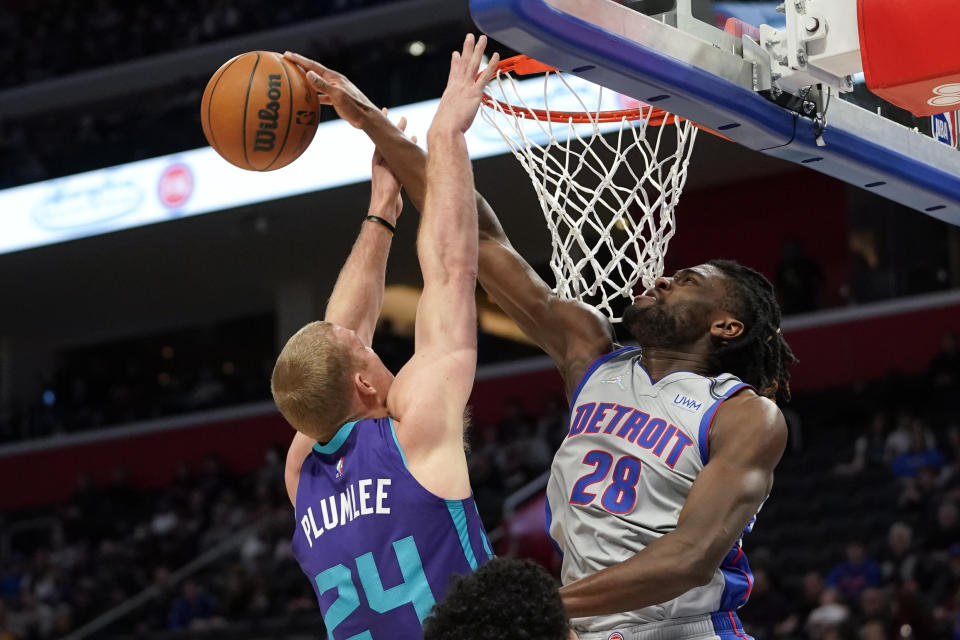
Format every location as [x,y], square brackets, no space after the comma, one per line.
[259,112]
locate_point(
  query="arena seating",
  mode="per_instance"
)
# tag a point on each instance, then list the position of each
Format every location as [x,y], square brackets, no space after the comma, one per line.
[825,497]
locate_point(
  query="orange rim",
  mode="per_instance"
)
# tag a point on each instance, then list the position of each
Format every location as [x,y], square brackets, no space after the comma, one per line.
[524,65]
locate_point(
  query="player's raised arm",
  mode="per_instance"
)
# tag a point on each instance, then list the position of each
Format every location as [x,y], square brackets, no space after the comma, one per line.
[429,395]
[746,442]
[573,334]
[357,296]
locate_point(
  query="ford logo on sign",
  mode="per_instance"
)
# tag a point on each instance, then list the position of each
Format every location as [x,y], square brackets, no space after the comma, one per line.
[70,207]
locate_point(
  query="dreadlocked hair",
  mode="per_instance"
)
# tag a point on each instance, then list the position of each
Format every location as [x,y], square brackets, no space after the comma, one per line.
[759,356]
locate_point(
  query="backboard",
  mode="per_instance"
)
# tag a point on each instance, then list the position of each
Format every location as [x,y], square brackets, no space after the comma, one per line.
[738,78]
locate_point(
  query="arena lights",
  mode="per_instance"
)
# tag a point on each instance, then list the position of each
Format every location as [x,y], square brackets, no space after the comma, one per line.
[416,48]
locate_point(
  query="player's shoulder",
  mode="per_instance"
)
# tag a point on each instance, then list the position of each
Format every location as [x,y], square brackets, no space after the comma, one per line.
[750,421]
[747,405]
[587,330]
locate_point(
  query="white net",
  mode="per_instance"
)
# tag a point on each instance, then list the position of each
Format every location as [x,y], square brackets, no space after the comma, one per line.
[608,190]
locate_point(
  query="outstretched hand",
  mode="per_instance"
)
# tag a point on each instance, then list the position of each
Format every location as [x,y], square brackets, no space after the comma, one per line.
[461,99]
[335,89]
[385,187]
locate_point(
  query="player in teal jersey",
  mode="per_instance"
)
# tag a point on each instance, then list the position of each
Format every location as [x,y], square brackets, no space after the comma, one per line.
[377,472]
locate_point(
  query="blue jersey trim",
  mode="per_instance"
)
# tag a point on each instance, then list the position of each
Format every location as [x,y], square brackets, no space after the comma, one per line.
[737,580]
[704,432]
[483,532]
[459,517]
[548,522]
[393,430]
[342,434]
[727,625]
[593,367]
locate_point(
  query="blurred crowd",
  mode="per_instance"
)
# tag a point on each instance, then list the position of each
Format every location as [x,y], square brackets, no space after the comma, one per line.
[146,377]
[106,545]
[194,369]
[103,32]
[50,38]
[860,538]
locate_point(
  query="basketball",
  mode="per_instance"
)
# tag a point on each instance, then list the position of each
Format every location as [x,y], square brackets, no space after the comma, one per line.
[259,112]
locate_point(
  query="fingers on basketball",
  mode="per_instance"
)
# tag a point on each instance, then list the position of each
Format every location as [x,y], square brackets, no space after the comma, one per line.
[309,65]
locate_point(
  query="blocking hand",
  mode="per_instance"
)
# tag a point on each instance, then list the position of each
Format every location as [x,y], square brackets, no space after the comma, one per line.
[335,89]
[461,99]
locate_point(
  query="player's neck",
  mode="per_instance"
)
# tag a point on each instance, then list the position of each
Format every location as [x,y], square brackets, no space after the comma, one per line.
[372,408]
[661,362]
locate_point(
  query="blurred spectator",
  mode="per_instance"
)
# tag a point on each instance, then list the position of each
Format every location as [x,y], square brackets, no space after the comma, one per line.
[829,617]
[798,279]
[874,630]
[554,422]
[194,609]
[945,531]
[946,579]
[768,613]
[869,448]
[857,573]
[944,370]
[919,493]
[920,453]
[898,560]
[6,627]
[900,439]
[811,592]
[875,606]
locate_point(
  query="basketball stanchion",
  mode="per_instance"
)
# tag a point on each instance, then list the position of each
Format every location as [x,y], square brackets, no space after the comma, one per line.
[608,197]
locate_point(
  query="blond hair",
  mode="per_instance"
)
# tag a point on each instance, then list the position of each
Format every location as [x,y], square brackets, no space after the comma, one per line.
[311,382]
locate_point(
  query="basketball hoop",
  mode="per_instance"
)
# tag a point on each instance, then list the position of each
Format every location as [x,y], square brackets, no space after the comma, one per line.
[609,204]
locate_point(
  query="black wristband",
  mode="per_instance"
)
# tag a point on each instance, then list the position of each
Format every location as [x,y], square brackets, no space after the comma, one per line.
[389,226]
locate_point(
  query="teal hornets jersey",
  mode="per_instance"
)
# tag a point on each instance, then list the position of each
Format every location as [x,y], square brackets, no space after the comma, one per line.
[379,549]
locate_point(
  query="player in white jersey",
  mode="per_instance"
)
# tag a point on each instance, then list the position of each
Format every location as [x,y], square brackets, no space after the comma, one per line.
[649,524]
[671,448]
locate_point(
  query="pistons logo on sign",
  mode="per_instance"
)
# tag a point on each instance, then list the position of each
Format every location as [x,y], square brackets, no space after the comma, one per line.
[945,128]
[175,186]
[616,635]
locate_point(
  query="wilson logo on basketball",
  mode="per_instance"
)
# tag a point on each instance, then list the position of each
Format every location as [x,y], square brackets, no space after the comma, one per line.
[266,135]
[175,186]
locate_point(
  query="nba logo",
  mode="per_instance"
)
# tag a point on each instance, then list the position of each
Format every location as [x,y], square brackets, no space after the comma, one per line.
[945,128]
[616,635]
[340,467]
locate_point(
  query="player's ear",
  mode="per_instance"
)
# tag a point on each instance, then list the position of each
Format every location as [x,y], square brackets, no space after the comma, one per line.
[363,386]
[726,328]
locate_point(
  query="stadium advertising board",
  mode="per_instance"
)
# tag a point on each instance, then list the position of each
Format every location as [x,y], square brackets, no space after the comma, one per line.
[199,181]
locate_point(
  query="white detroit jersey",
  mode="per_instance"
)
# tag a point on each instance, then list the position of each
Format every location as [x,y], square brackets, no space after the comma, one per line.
[623,473]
